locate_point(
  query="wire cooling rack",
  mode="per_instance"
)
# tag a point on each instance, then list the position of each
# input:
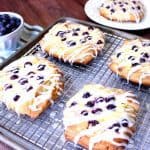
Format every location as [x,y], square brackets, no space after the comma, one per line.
[46,132]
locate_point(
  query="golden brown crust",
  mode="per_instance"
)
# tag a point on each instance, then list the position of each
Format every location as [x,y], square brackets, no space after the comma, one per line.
[74,130]
[46,85]
[123,72]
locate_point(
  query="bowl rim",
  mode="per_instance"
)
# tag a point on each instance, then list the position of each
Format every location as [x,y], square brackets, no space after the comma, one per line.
[14,14]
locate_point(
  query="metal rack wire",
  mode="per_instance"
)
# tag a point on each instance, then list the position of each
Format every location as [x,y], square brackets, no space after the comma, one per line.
[46,132]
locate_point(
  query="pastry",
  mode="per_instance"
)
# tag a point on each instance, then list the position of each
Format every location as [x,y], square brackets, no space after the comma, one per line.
[29,85]
[132,61]
[101,118]
[73,42]
[122,10]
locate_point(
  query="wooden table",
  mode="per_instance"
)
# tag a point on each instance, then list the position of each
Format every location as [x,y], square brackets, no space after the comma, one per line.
[45,12]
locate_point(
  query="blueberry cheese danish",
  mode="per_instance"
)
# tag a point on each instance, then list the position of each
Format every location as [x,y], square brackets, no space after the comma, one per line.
[132,61]
[73,42]
[122,10]
[29,85]
[101,118]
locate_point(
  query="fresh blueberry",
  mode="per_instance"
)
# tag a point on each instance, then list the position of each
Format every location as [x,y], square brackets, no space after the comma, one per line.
[16,98]
[135,64]
[28,63]
[99,100]
[29,88]
[23,81]
[94,111]
[41,67]
[14,77]
[142,60]
[99,42]
[93,122]
[119,54]
[71,43]
[8,86]
[111,106]
[86,95]
[84,112]
[90,104]
[73,104]
[85,33]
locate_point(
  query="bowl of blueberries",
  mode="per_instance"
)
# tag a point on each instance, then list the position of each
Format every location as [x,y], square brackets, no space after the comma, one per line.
[11,26]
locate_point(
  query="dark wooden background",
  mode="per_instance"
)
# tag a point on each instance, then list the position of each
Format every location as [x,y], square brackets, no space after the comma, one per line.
[45,12]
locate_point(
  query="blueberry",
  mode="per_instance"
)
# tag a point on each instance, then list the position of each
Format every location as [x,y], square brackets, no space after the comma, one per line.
[14,77]
[29,88]
[99,100]
[130,57]
[93,122]
[121,5]
[125,124]
[123,9]
[64,39]
[107,7]
[85,33]
[99,42]
[60,33]
[135,64]
[117,130]
[39,78]
[89,37]
[134,2]
[112,10]
[83,41]
[84,112]
[146,55]
[142,60]
[111,106]
[41,67]
[116,125]
[71,43]
[75,34]
[77,29]
[138,7]
[30,73]
[28,63]
[8,86]
[110,98]
[119,54]
[90,104]
[16,98]
[90,28]
[134,47]
[96,110]
[86,95]
[23,81]
[73,104]
[15,70]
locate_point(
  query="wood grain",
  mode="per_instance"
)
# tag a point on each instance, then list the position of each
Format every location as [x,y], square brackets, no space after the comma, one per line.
[45,12]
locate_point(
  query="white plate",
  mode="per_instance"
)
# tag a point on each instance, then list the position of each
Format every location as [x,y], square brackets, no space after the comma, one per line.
[92,11]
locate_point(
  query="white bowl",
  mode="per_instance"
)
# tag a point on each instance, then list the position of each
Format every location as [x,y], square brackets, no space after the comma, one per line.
[9,41]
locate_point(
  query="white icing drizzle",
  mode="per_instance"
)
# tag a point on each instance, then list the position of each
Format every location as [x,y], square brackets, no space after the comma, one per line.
[40,91]
[106,118]
[77,52]
[124,61]
[132,70]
